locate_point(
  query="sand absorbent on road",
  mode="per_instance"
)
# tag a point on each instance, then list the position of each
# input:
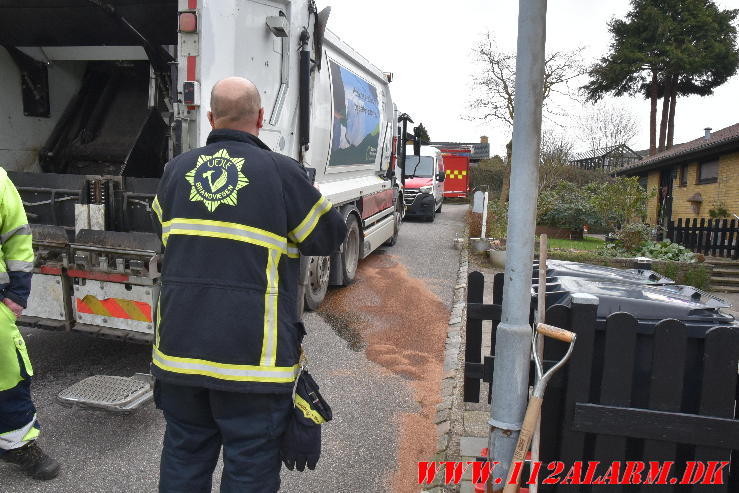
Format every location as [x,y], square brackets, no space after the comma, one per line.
[400,325]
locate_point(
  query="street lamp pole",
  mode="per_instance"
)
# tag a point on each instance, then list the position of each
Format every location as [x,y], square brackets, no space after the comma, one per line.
[513,337]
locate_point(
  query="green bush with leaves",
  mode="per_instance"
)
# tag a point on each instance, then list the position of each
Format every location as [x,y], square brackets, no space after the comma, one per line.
[667,250]
[497,219]
[566,206]
[633,236]
[620,201]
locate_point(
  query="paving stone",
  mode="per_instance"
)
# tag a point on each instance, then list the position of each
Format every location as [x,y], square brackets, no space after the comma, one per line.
[443,428]
[466,487]
[471,446]
[444,415]
[442,442]
[476,423]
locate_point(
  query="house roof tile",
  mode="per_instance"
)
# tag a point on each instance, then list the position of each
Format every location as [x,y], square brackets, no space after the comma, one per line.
[720,137]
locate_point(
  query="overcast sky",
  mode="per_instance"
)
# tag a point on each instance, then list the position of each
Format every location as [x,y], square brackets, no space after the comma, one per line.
[428,45]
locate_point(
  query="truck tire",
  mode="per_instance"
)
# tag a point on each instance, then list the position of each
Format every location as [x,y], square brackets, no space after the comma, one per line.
[430,218]
[319,270]
[396,229]
[351,250]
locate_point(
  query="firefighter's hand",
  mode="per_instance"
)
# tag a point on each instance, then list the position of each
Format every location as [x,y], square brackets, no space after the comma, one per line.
[14,307]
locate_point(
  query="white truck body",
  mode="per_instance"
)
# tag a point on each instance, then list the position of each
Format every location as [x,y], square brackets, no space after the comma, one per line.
[89,198]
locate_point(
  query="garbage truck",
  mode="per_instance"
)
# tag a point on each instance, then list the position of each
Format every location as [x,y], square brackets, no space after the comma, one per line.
[97,95]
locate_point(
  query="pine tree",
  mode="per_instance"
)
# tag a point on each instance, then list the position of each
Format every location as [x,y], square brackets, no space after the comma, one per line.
[422,134]
[666,48]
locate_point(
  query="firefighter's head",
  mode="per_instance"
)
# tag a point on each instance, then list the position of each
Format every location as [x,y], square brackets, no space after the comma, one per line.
[235,104]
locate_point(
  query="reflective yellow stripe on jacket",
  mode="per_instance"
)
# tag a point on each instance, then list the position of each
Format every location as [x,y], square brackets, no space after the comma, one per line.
[228,231]
[308,224]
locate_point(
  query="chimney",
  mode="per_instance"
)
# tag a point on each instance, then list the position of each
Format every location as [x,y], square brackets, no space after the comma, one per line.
[707,135]
[484,139]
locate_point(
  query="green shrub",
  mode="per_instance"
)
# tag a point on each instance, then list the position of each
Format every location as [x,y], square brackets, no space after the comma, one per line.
[633,236]
[667,250]
[497,219]
[566,206]
[488,173]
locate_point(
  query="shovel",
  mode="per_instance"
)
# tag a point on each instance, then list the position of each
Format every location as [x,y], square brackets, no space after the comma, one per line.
[533,410]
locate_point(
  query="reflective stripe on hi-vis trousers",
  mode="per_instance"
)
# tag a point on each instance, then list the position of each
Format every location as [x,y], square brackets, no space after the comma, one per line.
[269,341]
[115,308]
[17,438]
[308,224]
[239,373]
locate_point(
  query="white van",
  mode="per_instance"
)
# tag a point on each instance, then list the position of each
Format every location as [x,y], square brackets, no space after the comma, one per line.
[423,190]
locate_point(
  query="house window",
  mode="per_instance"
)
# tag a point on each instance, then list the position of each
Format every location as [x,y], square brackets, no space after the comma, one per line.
[684,175]
[708,172]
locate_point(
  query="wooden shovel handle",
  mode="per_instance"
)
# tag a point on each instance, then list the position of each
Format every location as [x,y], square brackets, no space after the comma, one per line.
[524,439]
[555,332]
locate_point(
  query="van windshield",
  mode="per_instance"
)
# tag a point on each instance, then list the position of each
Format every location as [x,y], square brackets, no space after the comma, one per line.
[420,166]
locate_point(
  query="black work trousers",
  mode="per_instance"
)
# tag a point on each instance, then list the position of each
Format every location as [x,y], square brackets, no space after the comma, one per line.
[200,421]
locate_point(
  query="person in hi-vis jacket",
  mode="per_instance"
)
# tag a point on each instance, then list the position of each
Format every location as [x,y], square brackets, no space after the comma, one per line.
[235,218]
[19,427]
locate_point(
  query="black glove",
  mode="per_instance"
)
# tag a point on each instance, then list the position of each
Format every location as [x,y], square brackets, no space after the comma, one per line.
[301,443]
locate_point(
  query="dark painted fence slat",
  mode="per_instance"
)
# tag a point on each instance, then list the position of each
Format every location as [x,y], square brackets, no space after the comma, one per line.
[666,385]
[578,382]
[615,389]
[473,334]
[553,406]
[718,392]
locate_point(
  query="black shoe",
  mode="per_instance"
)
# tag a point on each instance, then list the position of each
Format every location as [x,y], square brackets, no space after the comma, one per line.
[33,461]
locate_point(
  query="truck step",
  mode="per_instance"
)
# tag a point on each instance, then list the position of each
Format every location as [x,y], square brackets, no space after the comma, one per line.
[109,393]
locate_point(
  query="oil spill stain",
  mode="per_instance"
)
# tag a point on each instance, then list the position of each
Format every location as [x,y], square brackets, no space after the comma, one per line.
[401,325]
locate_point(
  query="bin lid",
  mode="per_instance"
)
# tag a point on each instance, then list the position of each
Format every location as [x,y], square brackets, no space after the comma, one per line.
[557,268]
[645,302]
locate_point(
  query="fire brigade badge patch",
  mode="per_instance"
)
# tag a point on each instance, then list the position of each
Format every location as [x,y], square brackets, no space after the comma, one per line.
[216,179]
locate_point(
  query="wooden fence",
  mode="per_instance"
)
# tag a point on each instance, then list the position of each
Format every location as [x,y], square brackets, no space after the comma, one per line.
[631,391]
[716,237]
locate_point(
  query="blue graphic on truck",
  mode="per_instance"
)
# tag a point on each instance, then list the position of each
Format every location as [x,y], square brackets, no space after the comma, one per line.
[356,122]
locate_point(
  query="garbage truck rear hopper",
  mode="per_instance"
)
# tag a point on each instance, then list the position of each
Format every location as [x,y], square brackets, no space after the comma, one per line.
[95,98]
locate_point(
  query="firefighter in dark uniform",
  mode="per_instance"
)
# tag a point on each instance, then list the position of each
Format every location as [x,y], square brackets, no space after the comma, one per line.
[235,218]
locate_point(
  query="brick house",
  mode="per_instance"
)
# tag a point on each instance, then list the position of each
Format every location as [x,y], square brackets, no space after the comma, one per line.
[692,178]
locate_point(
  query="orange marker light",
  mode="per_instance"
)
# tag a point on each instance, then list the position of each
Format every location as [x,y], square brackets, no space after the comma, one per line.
[188,22]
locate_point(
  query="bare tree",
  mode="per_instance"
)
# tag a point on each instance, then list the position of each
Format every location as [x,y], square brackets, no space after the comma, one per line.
[495,83]
[556,152]
[606,125]
[494,87]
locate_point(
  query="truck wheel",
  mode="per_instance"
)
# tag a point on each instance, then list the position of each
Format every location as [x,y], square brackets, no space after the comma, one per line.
[430,218]
[318,273]
[350,254]
[396,229]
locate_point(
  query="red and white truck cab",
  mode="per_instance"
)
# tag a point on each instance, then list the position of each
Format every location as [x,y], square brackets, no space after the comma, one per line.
[423,190]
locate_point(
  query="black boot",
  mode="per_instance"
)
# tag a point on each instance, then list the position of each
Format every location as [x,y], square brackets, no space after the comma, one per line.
[33,461]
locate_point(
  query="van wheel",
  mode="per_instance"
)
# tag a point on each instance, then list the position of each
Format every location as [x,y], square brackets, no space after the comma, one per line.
[350,255]
[318,273]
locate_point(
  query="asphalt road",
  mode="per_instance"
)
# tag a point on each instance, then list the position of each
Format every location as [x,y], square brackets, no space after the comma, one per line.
[111,453]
